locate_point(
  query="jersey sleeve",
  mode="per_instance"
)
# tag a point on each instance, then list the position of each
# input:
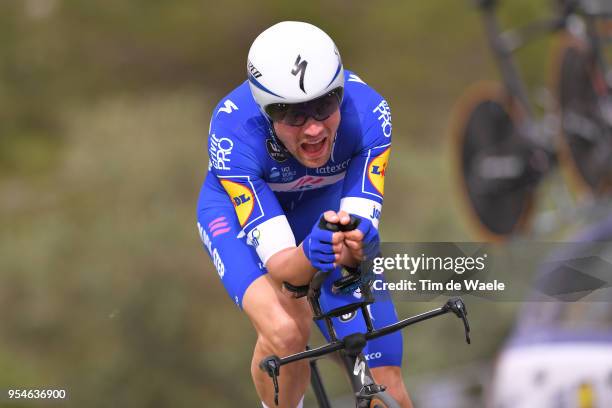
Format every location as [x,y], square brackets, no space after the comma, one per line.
[236,166]
[364,185]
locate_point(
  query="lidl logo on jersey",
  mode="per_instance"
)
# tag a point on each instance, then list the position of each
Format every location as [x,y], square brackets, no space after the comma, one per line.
[374,183]
[244,199]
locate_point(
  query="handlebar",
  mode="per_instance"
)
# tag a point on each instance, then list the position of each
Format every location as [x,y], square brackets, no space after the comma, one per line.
[354,343]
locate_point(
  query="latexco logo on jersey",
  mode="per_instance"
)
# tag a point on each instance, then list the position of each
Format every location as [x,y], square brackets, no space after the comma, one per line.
[334,168]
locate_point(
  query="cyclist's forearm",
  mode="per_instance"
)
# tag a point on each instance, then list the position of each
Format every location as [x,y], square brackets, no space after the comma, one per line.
[290,265]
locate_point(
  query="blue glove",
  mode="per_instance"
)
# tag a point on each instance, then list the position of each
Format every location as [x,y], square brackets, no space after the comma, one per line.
[371,239]
[318,248]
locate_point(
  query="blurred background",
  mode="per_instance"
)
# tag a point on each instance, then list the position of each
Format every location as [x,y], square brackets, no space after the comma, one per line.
[105,289]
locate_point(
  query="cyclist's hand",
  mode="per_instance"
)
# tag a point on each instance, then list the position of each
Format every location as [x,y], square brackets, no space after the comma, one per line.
[364,242]
[323,247]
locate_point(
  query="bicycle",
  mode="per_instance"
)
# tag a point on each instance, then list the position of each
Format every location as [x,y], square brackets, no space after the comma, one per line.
[367,392]
[501,151]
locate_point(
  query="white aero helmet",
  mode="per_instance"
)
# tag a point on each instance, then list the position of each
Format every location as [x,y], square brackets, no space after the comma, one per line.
[293,62]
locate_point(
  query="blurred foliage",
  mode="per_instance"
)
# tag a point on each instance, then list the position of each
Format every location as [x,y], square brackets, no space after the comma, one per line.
[104,107]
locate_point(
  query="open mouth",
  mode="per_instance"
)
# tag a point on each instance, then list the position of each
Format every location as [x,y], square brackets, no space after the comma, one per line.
[314,147]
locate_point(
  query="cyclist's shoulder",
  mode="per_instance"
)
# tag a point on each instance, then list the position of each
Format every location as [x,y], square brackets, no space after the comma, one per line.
[237,121]
[238,113]
[363,108]
[360,92]
[362,101]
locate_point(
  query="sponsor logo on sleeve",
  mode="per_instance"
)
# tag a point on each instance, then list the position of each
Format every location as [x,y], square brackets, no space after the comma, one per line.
[228,107]
[243,199]
[218,226]
[375,213]
[384,117]
[220,150]
[374,183]
[253,237]
[214,254]
[355,78]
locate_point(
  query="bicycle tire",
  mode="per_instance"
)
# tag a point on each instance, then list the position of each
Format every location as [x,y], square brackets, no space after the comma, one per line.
[580,84]
[485,122]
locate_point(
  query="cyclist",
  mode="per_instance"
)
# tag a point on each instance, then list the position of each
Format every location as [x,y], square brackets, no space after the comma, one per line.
[300,139]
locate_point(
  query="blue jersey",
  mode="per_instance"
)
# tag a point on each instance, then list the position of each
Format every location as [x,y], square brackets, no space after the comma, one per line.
[257,199]
[251,168]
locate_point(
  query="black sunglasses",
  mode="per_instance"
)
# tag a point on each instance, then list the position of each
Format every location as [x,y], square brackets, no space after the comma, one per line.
[296,114]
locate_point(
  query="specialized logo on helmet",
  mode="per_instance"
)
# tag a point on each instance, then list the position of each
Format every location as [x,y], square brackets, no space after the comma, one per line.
[300,68]
[374,184]
[242,197]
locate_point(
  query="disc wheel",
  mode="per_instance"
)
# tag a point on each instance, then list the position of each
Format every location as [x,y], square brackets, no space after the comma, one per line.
[495,164]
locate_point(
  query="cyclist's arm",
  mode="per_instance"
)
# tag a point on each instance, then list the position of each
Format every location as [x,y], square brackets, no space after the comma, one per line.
[290,265]
[363,188]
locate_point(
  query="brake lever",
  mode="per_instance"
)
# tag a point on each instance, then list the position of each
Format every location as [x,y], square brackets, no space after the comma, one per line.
[271,365]
[457,306]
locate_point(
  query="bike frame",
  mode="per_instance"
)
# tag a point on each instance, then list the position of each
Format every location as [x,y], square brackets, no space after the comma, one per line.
[592,16]
[503,44]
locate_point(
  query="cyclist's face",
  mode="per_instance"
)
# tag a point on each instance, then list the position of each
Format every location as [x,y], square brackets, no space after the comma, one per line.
[311,143]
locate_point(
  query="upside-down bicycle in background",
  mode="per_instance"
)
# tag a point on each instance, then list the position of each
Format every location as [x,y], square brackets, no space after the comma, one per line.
[503,150]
